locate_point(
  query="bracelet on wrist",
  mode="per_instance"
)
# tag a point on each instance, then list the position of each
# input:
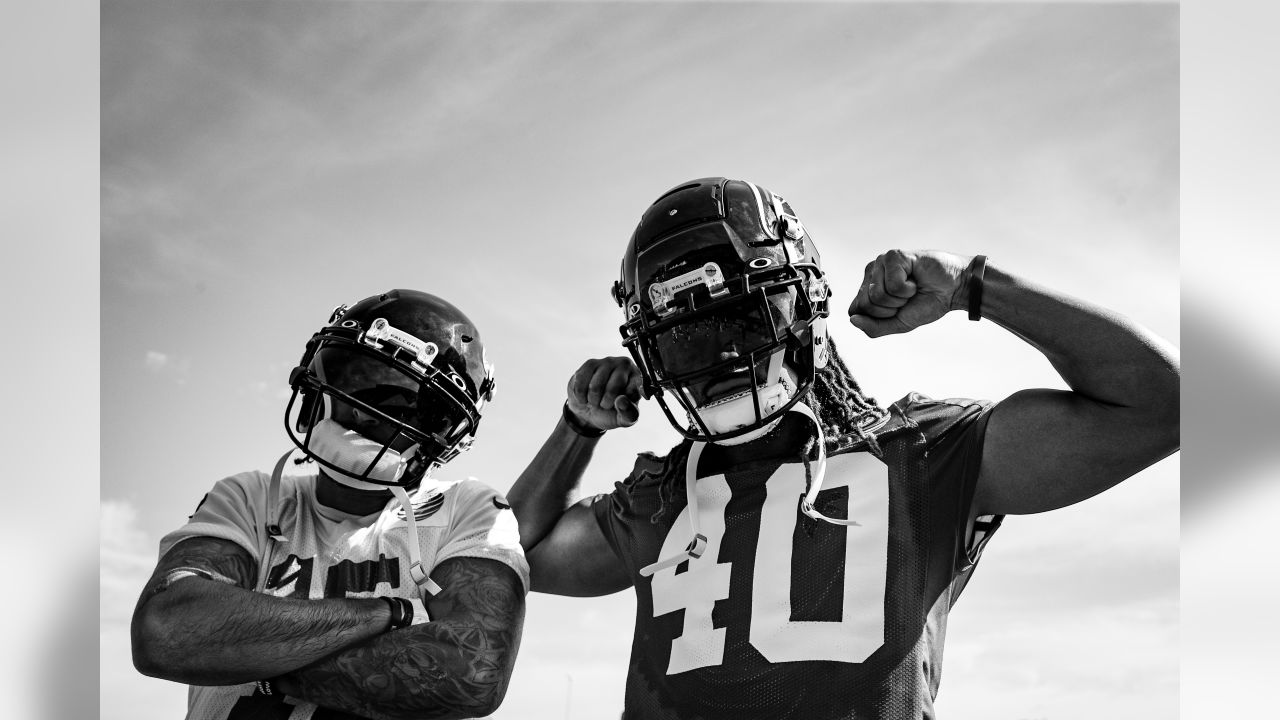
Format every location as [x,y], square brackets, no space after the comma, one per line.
[401,613]
[579,427]
[977,268]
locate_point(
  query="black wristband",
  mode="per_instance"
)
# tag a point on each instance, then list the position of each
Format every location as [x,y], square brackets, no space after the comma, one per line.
[977,267]
[577,426]
[401,613]
[265,687]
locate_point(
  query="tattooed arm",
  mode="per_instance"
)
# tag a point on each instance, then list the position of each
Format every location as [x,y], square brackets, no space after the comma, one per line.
[199,621]
[456,666]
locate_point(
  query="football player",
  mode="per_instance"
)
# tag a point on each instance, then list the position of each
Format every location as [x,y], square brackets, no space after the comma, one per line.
[350,581]
[797,554]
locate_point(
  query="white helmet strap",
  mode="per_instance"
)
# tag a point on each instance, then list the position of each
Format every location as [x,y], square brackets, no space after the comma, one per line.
[819,474]
[698,544]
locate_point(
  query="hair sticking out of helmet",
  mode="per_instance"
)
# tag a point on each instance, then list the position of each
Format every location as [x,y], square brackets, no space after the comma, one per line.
[704,283]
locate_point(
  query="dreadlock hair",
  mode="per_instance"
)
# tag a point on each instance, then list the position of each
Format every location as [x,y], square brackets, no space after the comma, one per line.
[846,414]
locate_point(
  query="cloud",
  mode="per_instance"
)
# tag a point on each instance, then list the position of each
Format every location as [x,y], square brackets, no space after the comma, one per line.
[573,657]
[176,368]
[127,556]
[273,390]
[127,559]
[156,361]
[1038,667]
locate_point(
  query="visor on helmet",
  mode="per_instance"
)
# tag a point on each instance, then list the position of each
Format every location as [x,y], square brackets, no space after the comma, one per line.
[423,406]
[721,339]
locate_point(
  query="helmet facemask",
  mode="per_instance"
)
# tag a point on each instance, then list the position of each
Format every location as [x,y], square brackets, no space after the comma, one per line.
[736,364]
[380,408]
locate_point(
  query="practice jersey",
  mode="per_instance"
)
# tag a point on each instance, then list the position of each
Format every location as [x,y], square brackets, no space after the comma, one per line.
[330,554]
[785,616]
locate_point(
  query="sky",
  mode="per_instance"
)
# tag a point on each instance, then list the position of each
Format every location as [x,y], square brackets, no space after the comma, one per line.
[264,162]
[65,492]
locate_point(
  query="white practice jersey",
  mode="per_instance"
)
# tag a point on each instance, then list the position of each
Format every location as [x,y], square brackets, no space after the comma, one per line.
[330,554]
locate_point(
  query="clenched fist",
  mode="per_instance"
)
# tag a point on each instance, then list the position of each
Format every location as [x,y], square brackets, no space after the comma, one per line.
[605,393]
[903,290]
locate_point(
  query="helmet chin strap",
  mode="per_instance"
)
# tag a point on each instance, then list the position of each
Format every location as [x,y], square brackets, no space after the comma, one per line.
[819,474]
[698,545]
[416,570]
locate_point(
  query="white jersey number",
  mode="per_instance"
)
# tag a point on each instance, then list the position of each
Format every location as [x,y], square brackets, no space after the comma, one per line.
[853,638]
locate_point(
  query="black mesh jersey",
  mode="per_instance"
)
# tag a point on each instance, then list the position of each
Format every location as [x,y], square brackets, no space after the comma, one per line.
[784,616]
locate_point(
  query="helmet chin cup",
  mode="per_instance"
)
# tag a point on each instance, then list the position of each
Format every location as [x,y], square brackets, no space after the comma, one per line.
[727,415]
[738,411]
[356,461]
[748,436]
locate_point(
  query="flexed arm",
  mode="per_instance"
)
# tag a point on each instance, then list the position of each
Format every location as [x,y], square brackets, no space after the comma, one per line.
[1044,449]
[566,550]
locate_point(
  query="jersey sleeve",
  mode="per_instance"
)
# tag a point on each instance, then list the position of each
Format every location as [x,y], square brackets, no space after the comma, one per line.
[954,430]
[636,503]
[483,526]
[232,510]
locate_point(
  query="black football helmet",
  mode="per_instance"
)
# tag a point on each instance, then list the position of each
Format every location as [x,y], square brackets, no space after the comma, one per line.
[721,288]
[411,362]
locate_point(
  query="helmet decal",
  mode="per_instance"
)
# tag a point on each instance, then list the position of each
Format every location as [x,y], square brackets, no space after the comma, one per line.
[661,294]
[424,352]
[821,348]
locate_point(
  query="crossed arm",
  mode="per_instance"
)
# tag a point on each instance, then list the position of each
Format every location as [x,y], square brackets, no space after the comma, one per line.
[199,622]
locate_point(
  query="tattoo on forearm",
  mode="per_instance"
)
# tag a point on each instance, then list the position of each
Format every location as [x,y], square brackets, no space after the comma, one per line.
[458,664]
